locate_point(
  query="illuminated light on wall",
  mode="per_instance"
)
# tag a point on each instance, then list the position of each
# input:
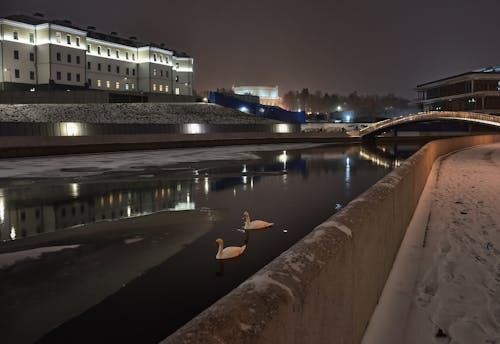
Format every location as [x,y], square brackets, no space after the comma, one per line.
[234,192]
[244,109]
[120,198]
[110,199]
[282,128]
[129,211]
[339,108]
[13,233]
[193,128]
[2,210]
[71,129]
[251,183]
[244,179]
[206,186]
[74,190]
[261,110]
[101,201]
[244,170]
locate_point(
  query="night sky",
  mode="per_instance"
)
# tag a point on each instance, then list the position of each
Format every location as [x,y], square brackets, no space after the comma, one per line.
[385,46]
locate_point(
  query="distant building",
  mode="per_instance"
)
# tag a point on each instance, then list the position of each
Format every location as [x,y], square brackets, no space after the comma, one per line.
[268,95]
[40,53]
[477,91]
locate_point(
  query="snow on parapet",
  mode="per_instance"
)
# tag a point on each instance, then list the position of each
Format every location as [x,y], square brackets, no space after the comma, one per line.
[332,223]
[261,282]
[9,259]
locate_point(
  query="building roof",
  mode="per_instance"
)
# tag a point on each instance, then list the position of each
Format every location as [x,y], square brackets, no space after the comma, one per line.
[480,71]
[39,19]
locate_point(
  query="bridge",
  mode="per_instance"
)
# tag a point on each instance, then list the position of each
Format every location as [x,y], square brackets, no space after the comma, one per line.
[473,117]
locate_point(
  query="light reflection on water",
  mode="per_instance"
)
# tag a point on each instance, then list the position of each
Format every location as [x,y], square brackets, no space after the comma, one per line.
[296,189]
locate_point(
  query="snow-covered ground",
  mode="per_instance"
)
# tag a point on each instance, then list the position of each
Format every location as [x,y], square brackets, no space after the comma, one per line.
[158,113]
[9,259]
[445,284]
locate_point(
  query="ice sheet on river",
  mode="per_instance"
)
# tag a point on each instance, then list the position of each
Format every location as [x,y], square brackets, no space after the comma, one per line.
[94,164]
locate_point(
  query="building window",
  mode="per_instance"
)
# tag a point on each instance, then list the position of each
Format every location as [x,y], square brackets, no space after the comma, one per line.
[88,47]
[161,58]
[166,59]
[154,57]
[126,87]
[88,65]
[58,75]
[16,54]
[77,77]
[17,73]
[133,57]
[77,41]
[58,56]
[176,78]
[69,58]
[126,55]
[154,72]
[89,82]
[68,76]
[32,37]
[108,84]
[133,71]
[117,85]
[58,37]
[99,84]
[15,35]
[32,57]
[109,68]
[127,70]
[166,74]
[98,66]
[77,59]
[177,65]
[117,69]
[154,87]
[118,54]
[161,88]
[177,91]
[166,88]
[161,73]
[68,39]
[98,50]
[109,52]
[133,86]
[32,75]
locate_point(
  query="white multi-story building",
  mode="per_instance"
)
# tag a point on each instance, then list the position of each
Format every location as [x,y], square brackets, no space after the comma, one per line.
[39,54]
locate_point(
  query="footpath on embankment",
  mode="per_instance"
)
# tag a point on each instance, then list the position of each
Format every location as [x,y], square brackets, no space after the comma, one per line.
[445,283]
[22,146]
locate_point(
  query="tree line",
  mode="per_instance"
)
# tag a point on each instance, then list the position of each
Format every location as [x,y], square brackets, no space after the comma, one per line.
[360,105]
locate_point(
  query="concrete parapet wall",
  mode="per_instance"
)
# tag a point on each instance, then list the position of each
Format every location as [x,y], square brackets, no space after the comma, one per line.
[325,287]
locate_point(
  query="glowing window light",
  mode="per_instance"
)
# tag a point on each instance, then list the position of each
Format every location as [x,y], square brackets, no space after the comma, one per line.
[206,186]
[129,211]
[13,233]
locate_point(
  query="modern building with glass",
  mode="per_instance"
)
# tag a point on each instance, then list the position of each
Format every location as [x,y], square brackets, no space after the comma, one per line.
[36,53]
[477,91]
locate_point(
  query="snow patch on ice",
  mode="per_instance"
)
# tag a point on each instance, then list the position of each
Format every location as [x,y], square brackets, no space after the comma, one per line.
[132,240]
[10,259]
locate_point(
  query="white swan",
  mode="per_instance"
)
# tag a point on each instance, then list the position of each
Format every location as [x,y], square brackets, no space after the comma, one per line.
[228,252]
[255,224]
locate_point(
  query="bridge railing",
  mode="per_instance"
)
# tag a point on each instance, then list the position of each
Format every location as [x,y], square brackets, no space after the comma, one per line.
[468,116]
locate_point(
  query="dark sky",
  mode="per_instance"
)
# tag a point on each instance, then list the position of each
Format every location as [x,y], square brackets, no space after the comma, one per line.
[384,46]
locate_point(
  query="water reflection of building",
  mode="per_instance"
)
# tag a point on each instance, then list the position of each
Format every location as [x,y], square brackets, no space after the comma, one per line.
[19,220]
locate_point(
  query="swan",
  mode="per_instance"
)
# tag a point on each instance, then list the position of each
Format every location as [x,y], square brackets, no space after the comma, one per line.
[228,252]
[255,224]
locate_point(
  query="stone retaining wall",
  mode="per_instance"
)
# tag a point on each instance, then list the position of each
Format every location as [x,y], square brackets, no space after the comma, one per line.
[325,287]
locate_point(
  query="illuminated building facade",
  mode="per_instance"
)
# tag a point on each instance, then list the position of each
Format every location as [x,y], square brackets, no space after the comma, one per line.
[268,95]
[38,53]
[477,91]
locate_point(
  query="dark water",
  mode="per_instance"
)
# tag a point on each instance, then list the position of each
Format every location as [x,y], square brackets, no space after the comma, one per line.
[138,278]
